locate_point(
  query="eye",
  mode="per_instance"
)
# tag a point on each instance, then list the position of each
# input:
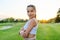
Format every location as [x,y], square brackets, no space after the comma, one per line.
[31,10]
[28,11]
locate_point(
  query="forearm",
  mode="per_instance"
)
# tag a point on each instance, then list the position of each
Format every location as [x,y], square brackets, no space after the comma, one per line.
[24,35]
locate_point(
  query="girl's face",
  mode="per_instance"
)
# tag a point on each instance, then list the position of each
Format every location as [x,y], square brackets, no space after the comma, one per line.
[31,12]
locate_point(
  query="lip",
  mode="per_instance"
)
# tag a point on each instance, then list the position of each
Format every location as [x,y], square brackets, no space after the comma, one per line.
[30,15]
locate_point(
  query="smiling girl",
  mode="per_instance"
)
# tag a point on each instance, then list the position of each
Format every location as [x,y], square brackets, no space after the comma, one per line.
[28,32]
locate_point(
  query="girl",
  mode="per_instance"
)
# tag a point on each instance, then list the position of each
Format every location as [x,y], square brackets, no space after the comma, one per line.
[28,32]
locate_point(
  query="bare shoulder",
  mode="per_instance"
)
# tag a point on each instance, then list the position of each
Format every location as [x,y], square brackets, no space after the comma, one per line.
[33,21]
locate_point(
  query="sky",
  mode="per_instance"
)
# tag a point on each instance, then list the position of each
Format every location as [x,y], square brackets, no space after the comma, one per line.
[46,9]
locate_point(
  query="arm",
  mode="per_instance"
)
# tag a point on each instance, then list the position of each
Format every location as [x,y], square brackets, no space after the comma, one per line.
[30,26]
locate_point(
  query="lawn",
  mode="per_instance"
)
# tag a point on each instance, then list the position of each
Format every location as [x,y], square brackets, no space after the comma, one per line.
[44,31]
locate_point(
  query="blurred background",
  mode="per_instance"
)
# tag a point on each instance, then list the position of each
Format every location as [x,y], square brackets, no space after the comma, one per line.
[13,16]
[47,10]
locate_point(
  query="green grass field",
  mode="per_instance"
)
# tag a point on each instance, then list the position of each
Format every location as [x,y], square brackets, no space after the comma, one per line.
[44,32]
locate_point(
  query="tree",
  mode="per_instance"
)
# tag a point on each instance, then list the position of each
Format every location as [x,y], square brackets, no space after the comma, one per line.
[57,20]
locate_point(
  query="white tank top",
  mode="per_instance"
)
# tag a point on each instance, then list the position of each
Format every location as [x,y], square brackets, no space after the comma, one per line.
[34,30]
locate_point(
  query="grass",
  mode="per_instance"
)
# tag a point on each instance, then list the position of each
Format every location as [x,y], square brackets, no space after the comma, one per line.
[44,32]
[12,33]
[48,32]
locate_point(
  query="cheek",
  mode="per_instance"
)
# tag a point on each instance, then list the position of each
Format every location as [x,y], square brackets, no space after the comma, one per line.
[28,14]
[33,13]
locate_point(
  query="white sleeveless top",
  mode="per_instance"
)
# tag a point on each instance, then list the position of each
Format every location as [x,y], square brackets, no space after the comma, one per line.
[34,30]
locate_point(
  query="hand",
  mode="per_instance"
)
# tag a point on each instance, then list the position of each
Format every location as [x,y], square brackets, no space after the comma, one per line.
[21,33]
[25,35]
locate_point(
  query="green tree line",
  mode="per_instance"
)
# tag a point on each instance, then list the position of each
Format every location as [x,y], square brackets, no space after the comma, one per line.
[11,19]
